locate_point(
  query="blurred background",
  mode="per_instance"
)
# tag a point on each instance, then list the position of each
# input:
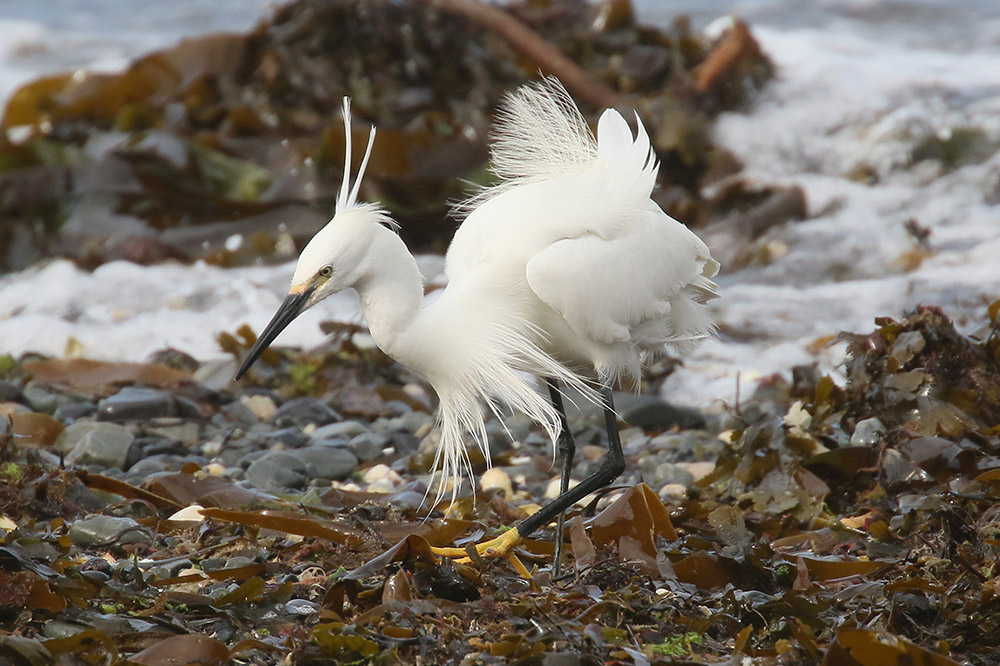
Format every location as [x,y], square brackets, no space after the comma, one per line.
[840,158]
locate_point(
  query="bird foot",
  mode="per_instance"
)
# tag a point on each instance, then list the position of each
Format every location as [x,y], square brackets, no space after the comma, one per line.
[501,547]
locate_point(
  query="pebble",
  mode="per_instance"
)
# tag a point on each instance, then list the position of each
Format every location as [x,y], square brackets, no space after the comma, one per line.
[552,490]
[343,429]
[673,492]
[239,412]
[651,413]
[215,469]
[289,438]
[105,448]
[75,410]
[9,392]
[368,446]
[495,477]
[410,422]
[100,530]
[186,431]
[136,403]
[42,399]
[277,470]
[71,436]
[302,412]
[262,406]
[328,462]
[867,432]
[382,479]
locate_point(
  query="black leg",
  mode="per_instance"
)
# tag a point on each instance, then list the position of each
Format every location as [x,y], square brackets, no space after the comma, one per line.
[611,468]
[567,448]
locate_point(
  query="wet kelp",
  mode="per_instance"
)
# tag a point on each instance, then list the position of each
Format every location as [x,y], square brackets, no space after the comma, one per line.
[229,147]
[836,524]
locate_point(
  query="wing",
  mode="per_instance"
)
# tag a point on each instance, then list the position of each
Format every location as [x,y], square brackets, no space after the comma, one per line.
[606,287]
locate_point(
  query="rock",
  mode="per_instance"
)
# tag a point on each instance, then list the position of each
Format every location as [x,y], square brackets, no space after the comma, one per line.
[495,477]
[262,406]
[186,431]
[75,410]
[290,438]
[368,446]
[71,436]
[9,392]
[346,429]
[277,470]
[102,446]
[328,462]
[303,412]
[409,422]
[101,530]
[135,403]
[147,447]
[239,412]
[867,432]
[382,479]
[650,413]
[42,399]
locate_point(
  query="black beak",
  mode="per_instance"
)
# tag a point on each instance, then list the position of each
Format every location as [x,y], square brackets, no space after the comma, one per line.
[290,308]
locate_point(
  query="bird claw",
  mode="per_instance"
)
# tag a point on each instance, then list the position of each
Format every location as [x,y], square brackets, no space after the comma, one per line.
[501,547]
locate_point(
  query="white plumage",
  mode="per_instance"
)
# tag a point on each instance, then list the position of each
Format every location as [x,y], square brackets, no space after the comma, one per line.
[566,270]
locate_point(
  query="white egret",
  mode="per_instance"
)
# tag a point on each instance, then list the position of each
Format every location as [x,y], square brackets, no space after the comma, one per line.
[566,270]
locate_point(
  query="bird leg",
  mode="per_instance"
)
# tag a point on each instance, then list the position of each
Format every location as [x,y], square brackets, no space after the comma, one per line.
[611,468]
[567,449]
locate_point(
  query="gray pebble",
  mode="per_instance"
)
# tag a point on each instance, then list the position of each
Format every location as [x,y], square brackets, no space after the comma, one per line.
[303,412]
[290,438]
[9,392]
[75,410]
[368,446]
[345,429]
[71,436]
[136,403]
[101,530]
[651,413]
[42,399]
[277,470]
[105,448]
[867,432]
[328,462]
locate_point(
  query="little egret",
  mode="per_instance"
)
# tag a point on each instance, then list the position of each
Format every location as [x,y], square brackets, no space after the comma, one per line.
[566,270]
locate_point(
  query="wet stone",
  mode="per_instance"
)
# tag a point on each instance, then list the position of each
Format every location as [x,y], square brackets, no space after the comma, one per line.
[368,446]
[650,413]
[75,410]
[134,403]
[42,399]
[303,412]
[186,431]
[343,429]
[290,438]
[9,392]
[277,470]
[75,432]
[867,432]
[104,448]
[239,412]
[100,530]
[328,462]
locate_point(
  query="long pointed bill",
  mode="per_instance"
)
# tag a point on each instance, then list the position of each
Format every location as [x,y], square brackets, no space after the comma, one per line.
[290,308]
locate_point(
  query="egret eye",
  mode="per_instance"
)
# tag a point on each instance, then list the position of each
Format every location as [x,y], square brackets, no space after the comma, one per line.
[326,271]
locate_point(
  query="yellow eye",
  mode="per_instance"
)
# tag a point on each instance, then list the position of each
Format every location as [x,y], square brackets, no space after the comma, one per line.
[326,271]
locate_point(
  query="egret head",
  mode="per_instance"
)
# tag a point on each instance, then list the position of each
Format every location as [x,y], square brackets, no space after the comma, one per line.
[334,259]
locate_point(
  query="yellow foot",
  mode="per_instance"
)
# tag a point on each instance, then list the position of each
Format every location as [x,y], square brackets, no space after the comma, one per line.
[500,547]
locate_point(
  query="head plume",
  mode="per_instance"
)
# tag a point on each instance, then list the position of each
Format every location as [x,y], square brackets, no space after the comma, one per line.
[348,196]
